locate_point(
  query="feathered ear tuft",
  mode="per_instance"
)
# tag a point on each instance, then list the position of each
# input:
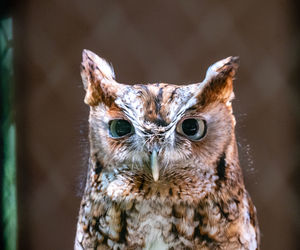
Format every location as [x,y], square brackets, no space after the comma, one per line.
[218,82]
[225,67]
[98,79]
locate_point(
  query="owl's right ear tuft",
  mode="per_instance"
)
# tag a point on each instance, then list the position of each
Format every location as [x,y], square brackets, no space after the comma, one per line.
[223,68]
[218,82]
[98,78]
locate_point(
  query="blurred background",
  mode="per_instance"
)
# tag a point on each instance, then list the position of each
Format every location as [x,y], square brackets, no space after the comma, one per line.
[152,41]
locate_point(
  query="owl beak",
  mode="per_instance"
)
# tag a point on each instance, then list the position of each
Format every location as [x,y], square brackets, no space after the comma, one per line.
[154,165]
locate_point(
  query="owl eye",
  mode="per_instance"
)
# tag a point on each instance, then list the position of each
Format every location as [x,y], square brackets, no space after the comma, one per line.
[119,128]
[193,128]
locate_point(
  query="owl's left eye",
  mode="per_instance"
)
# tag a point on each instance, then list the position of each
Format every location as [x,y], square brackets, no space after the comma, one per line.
[119,128]
[193,128]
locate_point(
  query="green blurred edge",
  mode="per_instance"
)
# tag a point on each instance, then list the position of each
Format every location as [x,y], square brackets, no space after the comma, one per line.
[8,129]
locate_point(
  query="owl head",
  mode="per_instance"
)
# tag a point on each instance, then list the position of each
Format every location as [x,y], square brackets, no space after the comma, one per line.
[164,132]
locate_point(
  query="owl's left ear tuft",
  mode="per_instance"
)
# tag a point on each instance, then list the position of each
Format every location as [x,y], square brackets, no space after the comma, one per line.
[218,82]
[98,78]
[96,62]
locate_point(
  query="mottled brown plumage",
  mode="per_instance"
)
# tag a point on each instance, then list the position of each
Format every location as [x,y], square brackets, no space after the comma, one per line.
[164,170]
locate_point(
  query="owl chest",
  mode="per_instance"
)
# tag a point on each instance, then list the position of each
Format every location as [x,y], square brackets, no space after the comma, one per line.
[154,225]
[150,227]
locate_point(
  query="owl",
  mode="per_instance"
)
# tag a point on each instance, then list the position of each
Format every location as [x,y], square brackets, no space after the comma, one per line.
[163,169]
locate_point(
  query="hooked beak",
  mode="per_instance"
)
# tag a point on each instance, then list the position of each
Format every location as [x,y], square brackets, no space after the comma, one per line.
[154,164]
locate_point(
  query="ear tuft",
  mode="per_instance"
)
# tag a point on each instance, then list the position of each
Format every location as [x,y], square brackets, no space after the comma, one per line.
[218,82]
[96,62]
[224,68]
[98,78]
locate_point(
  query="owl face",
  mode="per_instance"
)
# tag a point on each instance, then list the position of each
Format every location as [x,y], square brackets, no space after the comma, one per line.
[159,130]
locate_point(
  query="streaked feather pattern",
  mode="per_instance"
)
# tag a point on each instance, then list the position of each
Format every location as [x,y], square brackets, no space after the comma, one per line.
[156,188]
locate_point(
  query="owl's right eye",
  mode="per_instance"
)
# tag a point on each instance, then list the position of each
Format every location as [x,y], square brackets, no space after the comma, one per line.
[119,128]
[193,128]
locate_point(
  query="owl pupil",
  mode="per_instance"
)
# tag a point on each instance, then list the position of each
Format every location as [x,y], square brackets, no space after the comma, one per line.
[122,127]
[190,127]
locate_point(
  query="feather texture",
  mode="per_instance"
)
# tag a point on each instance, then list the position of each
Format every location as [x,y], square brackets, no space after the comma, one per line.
[157,185]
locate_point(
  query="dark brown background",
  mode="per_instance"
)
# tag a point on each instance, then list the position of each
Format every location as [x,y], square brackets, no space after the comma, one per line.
[150,41]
